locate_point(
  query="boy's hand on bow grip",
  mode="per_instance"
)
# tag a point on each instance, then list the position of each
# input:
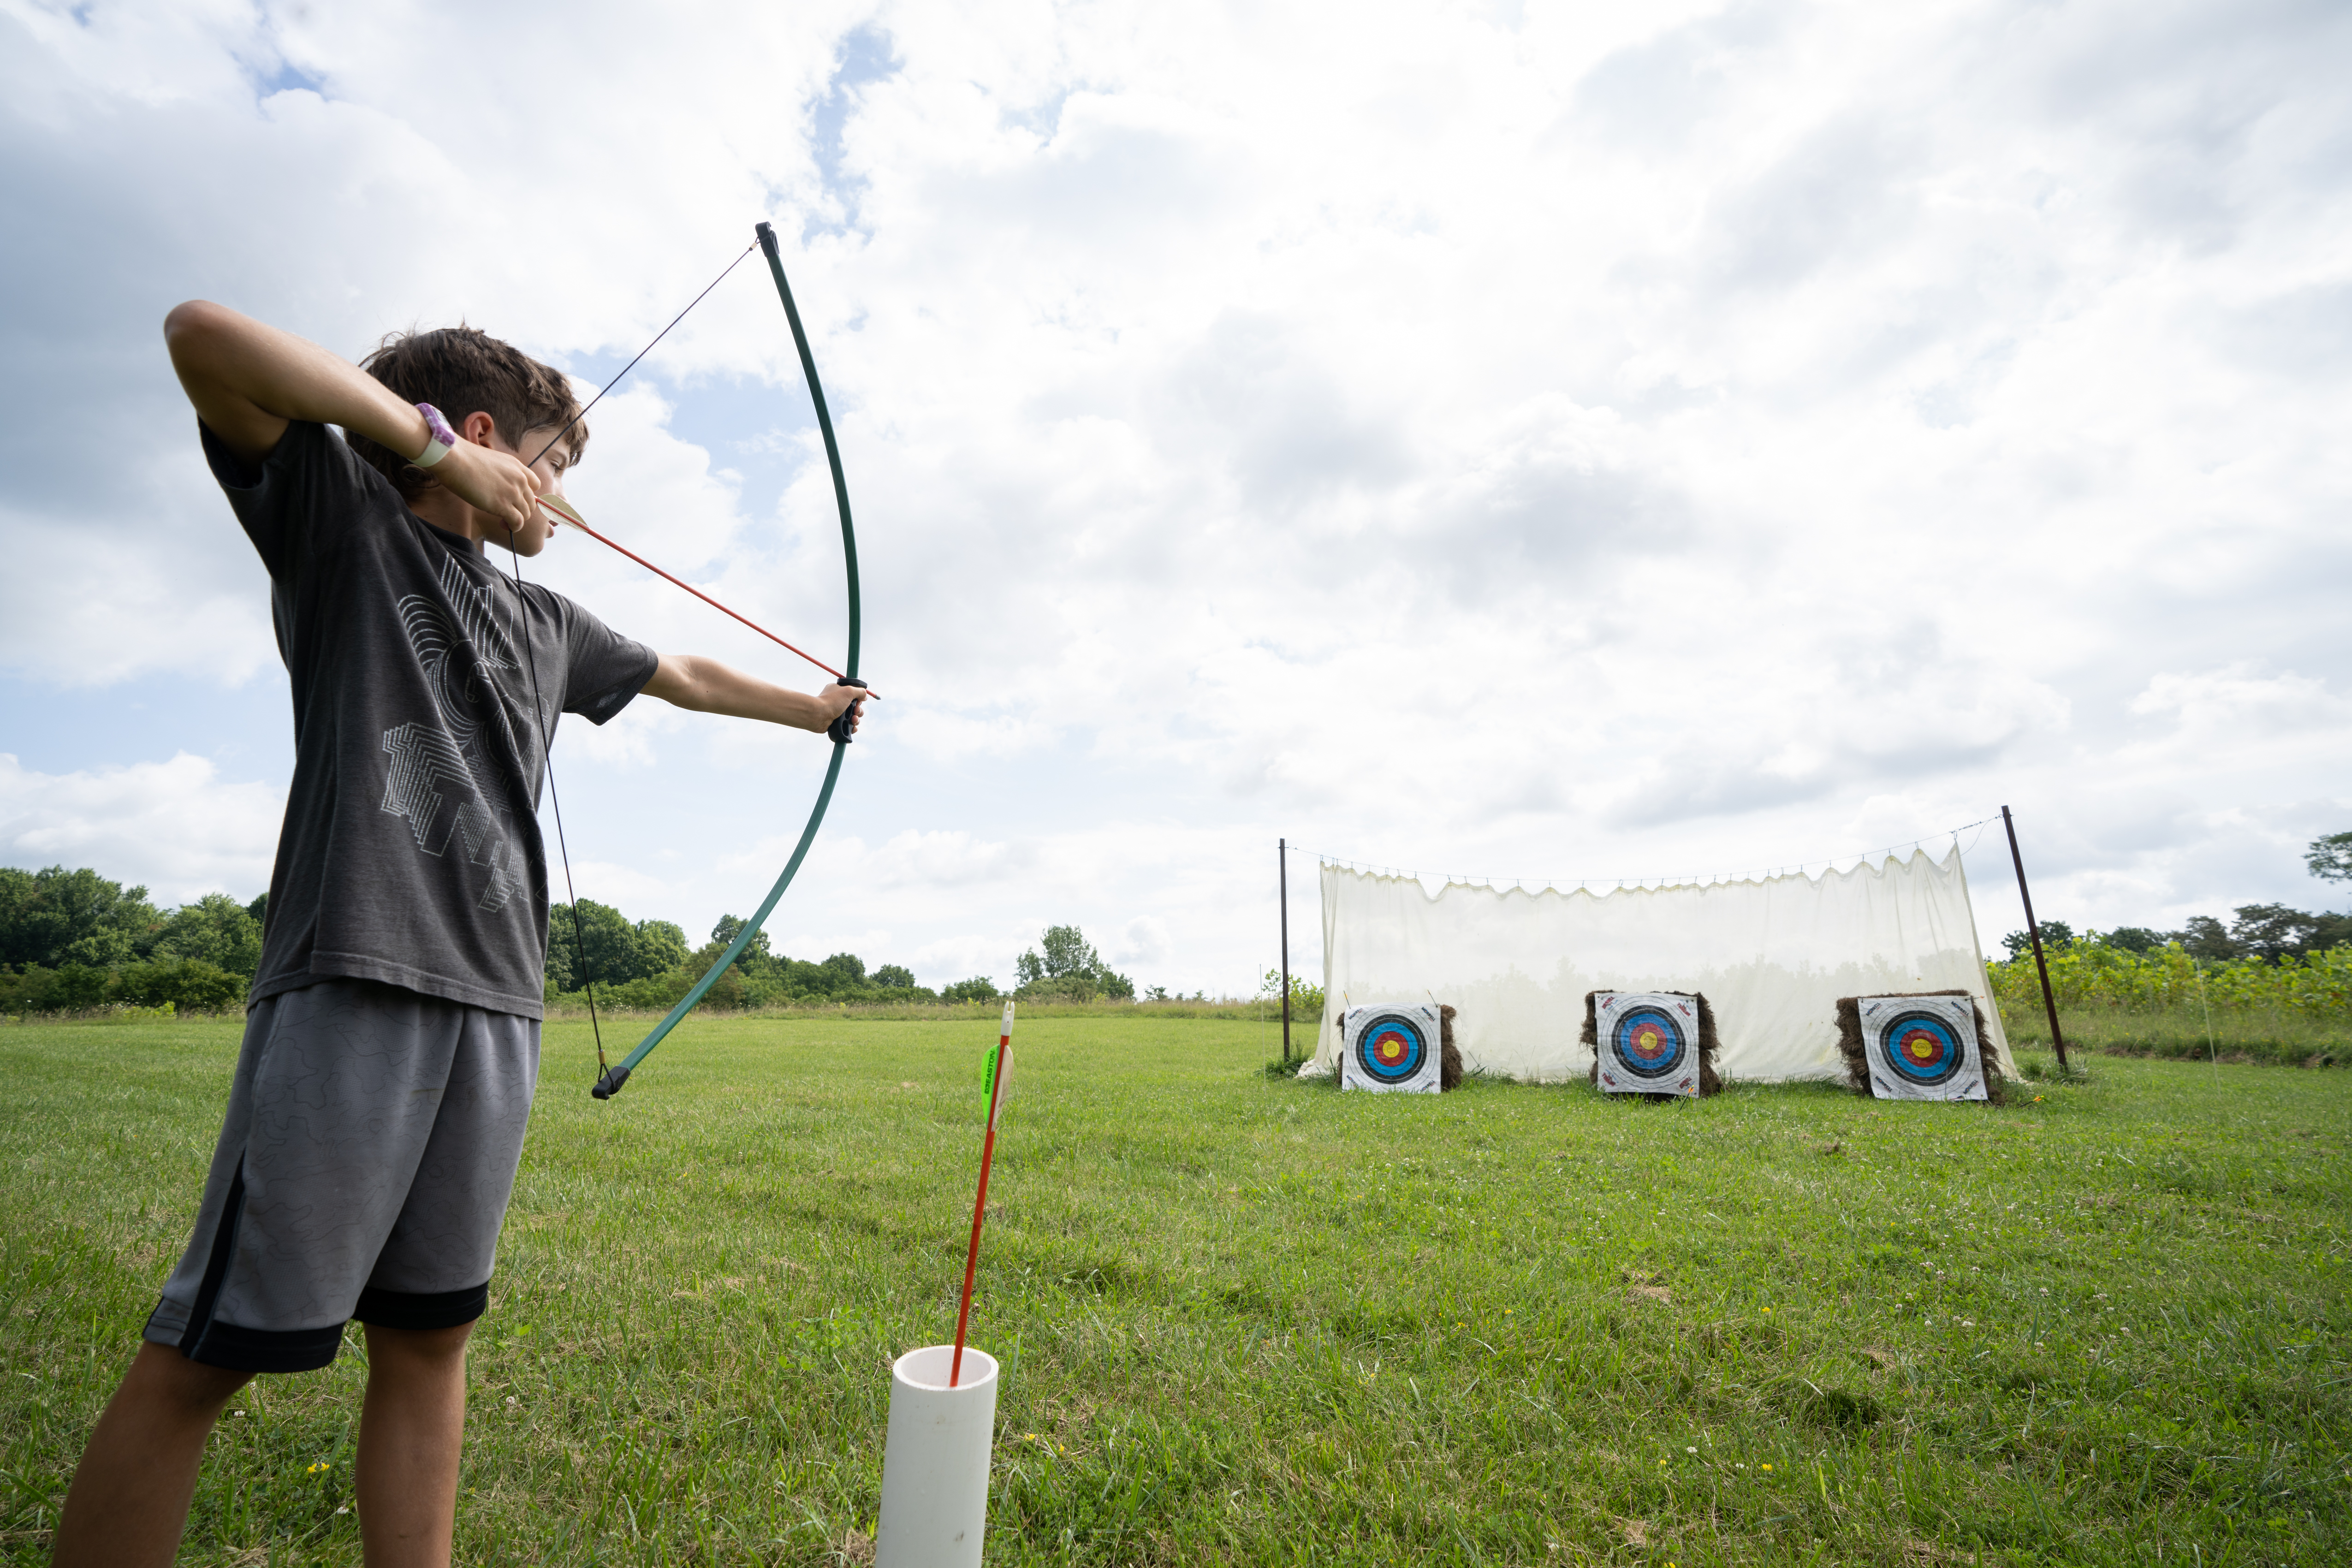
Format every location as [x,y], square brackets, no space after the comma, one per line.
[493,482]
[846,701]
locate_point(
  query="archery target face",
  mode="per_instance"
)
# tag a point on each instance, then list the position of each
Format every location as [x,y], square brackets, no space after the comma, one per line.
[1648,1042]
[1395,1049]
[1922,1047]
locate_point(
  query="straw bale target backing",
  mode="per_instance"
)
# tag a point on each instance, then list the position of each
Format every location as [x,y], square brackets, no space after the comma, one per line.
[1920,1044]
[1660,1044]
[1449,1070]
[1393,1049]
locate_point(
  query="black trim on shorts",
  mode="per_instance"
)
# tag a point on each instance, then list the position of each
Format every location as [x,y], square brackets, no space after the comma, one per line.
[423,1308]
[223,1249]
[267,1350]
[231,1346]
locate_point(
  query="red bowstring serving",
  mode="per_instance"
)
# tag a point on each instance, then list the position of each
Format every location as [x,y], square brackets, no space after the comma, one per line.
[572,520]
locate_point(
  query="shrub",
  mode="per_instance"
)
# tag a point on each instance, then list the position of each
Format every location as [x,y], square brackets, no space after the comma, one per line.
[183,985]
[2094,973]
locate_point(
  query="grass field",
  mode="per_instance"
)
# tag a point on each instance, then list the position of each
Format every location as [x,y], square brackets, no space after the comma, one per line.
[2234,1035]
[1246,1318]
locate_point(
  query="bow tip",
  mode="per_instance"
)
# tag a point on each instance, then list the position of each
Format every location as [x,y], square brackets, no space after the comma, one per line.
[610,1084]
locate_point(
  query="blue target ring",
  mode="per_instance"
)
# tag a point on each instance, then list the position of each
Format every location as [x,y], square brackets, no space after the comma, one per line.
[1649,1042]
[1922,1049]
[1391,1048]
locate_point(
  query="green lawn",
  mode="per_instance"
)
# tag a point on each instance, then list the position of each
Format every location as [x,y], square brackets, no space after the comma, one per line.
[1249,1320]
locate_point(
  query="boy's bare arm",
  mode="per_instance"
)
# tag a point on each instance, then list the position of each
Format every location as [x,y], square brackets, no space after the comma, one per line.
[248,380]
[707,686]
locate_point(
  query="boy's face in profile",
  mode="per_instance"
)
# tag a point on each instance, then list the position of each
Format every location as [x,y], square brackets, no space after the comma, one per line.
[552,461]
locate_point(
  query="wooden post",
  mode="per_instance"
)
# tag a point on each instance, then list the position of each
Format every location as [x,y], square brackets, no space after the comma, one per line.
[2034,931]
[1282,852]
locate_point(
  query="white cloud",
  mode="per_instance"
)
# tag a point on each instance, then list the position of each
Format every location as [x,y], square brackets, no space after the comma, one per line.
[176,827]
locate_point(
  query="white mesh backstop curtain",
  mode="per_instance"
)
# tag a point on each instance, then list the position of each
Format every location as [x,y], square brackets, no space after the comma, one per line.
[1772,957]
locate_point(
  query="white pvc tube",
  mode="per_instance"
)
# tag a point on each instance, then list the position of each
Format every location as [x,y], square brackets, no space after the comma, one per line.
[935,1460]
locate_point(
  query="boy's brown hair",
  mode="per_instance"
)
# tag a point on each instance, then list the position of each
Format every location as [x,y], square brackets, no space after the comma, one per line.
[462,370]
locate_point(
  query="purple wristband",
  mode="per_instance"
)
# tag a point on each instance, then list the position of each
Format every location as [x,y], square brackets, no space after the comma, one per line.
[440,437]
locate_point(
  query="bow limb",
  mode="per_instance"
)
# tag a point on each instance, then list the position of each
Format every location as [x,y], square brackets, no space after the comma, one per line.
[610,1084]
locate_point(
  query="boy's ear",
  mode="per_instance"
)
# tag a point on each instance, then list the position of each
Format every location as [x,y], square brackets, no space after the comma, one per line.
[479,428]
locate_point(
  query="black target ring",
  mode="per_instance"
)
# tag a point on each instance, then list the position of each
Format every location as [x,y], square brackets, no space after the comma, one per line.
[1391,1048]
[1921,1048]
[1649,1042]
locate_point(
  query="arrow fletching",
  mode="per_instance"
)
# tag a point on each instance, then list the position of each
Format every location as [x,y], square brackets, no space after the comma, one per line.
[562,510]
[996,1076]
[993,1072]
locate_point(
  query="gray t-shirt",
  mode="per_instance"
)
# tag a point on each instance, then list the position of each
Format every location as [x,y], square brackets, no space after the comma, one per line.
[411,851]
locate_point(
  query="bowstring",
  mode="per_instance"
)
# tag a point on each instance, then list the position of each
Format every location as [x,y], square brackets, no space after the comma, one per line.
[642,353]
[530,662]
[547,762]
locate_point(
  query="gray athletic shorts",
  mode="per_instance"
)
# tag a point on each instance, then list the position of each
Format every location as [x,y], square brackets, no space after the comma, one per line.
[363,1172]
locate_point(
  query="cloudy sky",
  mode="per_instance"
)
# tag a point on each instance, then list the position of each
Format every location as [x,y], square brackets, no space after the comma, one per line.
[1550,442]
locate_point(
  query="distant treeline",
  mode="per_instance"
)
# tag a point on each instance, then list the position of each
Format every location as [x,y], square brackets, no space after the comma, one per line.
[646,964]
[2265,931]
[74,941]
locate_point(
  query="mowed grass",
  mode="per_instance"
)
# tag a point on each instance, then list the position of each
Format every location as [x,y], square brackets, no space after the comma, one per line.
[1248,1320]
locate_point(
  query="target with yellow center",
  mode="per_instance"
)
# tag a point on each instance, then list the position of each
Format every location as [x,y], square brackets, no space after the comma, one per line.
[1922,1047]
[1648,1042]
[1392,1049]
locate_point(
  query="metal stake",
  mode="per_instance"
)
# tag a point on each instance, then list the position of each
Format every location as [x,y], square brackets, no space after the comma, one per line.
[2034,930]
[1282,852]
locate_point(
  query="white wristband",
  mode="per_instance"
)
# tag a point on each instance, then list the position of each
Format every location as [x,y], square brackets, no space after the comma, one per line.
[439,437]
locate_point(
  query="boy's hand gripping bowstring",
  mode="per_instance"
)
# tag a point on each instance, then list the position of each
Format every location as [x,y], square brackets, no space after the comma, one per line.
[610,1078]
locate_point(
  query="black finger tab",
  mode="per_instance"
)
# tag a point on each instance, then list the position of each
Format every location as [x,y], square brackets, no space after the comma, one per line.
[839,729]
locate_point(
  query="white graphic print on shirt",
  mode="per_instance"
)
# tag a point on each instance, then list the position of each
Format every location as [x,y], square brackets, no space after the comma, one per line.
[438,778]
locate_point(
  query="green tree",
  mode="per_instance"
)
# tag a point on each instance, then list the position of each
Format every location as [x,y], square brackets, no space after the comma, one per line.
[2272,931]
[979,988]
[2330,858]
[1306,1001]
[660,946]
[2208,939]
[2054,934]
[615,950]
[215,929]
[1069,966]
[894,977]
[754,950]
[58,917]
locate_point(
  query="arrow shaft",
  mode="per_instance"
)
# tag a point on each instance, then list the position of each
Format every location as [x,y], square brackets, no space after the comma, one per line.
[980,1204]
[572,520]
